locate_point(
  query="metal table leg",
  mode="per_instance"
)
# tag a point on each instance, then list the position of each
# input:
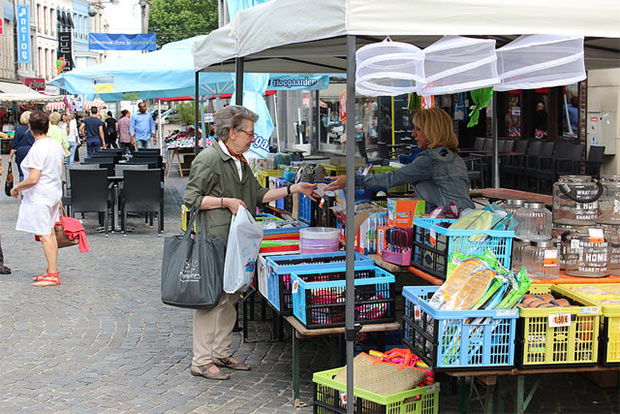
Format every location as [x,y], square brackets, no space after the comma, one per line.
[296,369]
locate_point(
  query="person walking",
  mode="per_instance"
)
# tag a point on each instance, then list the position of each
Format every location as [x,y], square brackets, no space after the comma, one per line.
[58,134]
[22,142]
[73,137]
[220,181]
[123,126]
[42,192]
[143,126]
[3,269]
[92,127]
[110,131]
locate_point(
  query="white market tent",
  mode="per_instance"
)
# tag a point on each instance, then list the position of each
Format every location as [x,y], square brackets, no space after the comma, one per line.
[29,98]
[323,35]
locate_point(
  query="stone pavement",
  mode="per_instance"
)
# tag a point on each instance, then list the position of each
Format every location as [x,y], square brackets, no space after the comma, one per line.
[102,342]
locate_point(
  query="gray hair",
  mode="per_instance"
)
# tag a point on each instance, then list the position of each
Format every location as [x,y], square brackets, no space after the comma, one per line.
[24,118]
[231,117]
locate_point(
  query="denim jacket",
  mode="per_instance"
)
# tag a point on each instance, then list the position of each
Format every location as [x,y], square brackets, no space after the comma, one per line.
[438,175]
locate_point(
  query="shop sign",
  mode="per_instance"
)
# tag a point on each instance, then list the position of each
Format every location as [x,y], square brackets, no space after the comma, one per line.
[36,84]
[110,41]
[23,34]
[209,117]
[343,106]
[64,56]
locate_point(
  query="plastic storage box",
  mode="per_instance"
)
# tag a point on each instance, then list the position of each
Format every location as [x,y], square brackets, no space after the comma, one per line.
[458,340]
[319,240]
[329,398]
[318,296]
[558,336]
[433,258]
[277,287]
[609,331]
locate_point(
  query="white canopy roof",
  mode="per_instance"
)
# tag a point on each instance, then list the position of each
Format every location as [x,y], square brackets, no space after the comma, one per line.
[301,36]
[29,97]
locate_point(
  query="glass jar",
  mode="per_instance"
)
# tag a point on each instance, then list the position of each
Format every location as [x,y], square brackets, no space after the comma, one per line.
[609,203]
[510,206]
[516,260]
[587,254]
[534,222]
[611,234]
[540,258]
[575,200]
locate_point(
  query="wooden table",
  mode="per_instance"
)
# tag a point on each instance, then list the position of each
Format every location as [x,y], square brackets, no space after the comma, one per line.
[176,153]
[566,279]
[300,332]
[509,194]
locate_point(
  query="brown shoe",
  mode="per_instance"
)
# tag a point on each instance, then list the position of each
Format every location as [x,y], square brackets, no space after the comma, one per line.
[203,371]
[228,363]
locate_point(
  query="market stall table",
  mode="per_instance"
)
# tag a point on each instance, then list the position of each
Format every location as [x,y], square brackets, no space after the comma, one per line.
[508,194]
[177,152]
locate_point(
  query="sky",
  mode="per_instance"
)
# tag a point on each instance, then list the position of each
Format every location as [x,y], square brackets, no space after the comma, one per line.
[123,17]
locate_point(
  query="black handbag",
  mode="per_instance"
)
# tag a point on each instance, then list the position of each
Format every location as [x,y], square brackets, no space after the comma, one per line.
[193,268]
[8,185]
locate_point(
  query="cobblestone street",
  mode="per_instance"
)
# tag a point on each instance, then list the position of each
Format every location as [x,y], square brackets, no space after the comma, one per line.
[102,342]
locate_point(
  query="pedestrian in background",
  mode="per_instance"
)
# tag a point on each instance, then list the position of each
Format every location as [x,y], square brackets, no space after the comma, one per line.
[42,192]
[58,134]
[123,126]
[3,269]
[110,131]
[22,142]
[73,137]
[92,127]
[143,126]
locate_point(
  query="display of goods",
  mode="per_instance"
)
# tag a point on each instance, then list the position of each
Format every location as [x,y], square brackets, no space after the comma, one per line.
[402,211]
[457,340]
[262,175]
[275,226]
[607,296]
[433,244]
[586,253]
[319,296]
[575,200]
[277,286]
[556,328]
[534,222]
[609,203]
[319,240]
[330,396]
[541,259]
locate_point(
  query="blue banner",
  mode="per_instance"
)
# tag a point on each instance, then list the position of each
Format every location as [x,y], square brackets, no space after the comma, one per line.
[23,34]
[109,41]
[297,82]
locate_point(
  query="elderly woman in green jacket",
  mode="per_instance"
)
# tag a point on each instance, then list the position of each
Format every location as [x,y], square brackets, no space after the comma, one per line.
[220,181]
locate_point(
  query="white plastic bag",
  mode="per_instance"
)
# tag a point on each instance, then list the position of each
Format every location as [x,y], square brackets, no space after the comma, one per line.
[244,240]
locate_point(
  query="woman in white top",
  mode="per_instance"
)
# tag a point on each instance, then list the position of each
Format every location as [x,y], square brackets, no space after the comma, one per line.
[42,192]
[72,136]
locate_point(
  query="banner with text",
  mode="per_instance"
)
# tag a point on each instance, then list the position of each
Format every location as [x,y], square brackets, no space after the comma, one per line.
[64,55]
[23,34]
[110,41]
[296,82]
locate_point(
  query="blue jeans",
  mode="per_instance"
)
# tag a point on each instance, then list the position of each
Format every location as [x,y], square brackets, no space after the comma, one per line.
[92,147]
[71,158]
[143,143]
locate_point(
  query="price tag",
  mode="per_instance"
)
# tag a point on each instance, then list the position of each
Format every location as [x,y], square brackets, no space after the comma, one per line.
[295,287]
[551,258]
[321,202]
[343,398]
[433,237]
[559,320]
[596,235]
[417,313]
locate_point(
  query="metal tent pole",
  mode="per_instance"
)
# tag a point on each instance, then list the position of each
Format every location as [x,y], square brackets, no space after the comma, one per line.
[350,331]
[239,79]
[202,118]
[196,98]
[160,132]
[495,162]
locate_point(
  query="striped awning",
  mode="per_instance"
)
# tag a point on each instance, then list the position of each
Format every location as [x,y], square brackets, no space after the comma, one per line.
[100,104]
[55,106]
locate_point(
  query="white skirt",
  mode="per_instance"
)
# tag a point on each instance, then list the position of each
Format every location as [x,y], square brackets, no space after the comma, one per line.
[37,218]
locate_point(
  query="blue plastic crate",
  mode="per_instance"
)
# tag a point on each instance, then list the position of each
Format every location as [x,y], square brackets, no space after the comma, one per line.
[279,184]
[433,258]
[277,289]
[458,340]
[286,230]
[318,296]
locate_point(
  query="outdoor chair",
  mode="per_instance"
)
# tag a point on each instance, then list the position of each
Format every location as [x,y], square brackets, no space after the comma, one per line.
[475,170]
[157,159]
[119,168]
[90,193]
[534,162]
[142,191]
[115,157]
[517,163]
[594,161]
[572,163]
[548,168]
[99,160]
[151,151]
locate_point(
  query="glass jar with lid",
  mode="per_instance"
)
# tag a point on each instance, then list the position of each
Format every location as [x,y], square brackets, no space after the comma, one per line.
[611,234]
[510,206]
[575,200]
[587,253]
[516,260]
[609,203]
[541,260]
[534,222]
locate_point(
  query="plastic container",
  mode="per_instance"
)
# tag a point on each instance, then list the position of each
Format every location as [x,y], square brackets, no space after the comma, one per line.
[518,246]
[575,200]
[558,336]
[318,296]
[328,398]
[458,340]
[534,222]
[319,240]
[541,259]
[276,286]
[433,257]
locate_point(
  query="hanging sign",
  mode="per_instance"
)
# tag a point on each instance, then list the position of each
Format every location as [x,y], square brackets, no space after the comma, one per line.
[343,106]
[209,117]
[295,82]
[110,41]
[23,34]
[64,62]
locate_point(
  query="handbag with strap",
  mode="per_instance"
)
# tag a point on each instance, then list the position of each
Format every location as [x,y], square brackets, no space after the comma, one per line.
[8,185]
[193,268]
[59,231]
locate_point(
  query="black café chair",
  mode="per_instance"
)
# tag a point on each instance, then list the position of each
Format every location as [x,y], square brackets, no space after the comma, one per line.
[89,193]
[534,162]
[142,191]
[518,164]
[95,159]
[594,161]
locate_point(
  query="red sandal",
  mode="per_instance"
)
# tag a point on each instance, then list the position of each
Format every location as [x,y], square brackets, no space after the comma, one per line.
[49,279]
[41,276]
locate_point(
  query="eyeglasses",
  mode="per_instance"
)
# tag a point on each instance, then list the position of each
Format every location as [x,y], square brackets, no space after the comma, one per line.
[250,134]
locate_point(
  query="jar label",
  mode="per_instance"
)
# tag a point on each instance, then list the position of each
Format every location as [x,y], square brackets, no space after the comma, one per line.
[559,320]
[551,258]
[596,235]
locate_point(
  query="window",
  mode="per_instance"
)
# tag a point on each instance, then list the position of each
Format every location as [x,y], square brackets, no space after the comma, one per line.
[46,65]
[41,61]
[39,19]
[52,25]
[53,66]
[45,22]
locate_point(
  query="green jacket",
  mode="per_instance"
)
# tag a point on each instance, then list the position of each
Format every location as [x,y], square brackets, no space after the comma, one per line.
[214,174]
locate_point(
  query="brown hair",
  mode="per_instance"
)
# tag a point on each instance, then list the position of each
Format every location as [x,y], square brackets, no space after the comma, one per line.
[39,123]
[437,127]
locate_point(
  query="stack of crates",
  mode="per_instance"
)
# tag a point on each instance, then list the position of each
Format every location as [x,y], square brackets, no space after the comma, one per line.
[262,175]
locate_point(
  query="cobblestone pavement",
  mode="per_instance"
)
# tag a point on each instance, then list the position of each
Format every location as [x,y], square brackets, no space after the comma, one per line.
[102,342]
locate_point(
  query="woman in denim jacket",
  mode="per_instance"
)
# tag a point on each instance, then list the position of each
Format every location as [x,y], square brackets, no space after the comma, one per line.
[438,174]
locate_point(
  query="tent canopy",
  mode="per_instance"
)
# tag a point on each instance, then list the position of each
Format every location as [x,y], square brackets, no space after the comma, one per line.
[313,39]
[29,97]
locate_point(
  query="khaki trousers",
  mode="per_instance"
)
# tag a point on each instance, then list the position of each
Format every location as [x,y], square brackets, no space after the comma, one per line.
[213,330]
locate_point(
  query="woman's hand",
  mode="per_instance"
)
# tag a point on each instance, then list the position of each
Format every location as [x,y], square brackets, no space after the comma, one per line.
[14,192]
[233,204]
[306,189]
[339,182]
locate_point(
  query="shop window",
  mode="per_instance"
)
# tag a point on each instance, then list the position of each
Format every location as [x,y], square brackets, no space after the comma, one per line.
[513,114]
[570,110]
[541,113]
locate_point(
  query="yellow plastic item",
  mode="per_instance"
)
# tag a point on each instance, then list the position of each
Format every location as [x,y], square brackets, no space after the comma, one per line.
[605,296]
[185,218]
[544,345]
[262,175]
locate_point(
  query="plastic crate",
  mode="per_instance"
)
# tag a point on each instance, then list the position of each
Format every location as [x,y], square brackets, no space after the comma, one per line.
[398,189]
[328,398]
[262,175]
[433,259]
[318,296]
[281,203]
[279,269]
[458,340]
[609,330]
[333,170]
[540,345]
